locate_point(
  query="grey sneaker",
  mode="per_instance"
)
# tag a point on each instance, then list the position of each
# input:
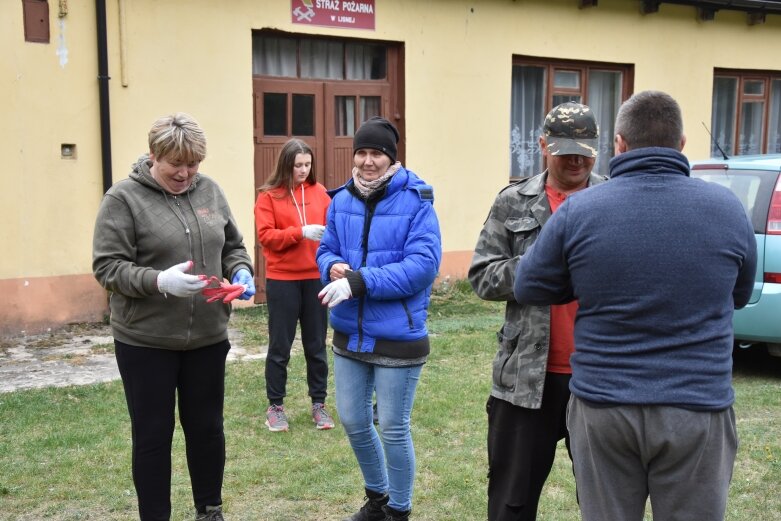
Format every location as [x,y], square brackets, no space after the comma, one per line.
[276,420]
[323,420]
[211,514]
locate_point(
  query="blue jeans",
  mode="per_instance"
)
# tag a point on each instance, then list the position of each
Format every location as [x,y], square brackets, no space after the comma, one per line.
[387,460]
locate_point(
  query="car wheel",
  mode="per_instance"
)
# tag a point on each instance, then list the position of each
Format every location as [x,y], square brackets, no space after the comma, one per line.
[774,349]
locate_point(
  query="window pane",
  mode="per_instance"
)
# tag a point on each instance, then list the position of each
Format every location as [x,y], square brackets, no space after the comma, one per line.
[344,115]
[303,115]
[365,62]
[751,128]
[322,59]
[754,87]
[274,114]
[745,187]
[566,79]
[526,118]
[273,56]
[725,92]
[604,98]
[774,126]
[370,107]
[558,99]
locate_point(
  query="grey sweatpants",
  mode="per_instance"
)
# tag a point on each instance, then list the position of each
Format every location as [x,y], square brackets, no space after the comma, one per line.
[623,454]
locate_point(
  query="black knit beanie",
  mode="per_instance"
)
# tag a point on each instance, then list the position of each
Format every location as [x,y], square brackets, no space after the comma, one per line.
[377,133]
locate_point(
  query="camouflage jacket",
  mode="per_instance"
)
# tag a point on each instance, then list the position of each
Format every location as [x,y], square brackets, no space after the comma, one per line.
[512,226]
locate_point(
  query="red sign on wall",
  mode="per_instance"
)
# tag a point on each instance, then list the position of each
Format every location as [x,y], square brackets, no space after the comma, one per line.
[358,14]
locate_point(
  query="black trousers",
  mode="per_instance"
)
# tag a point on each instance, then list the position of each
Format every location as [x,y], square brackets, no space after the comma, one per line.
[521,448]
[152,379]
[290,302]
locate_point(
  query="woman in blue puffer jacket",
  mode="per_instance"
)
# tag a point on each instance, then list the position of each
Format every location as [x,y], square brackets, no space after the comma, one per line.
[379,256]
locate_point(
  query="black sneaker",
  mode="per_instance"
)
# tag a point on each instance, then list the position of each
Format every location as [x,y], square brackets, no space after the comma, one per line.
[391,514]
[372,509]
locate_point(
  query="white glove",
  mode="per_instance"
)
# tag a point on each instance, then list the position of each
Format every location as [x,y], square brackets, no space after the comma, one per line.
[335,292]
[174,281]
[313,232]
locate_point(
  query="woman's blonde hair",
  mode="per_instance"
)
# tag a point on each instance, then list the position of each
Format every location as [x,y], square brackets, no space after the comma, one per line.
[177,137]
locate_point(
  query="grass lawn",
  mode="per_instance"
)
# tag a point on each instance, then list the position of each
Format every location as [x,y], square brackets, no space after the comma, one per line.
[65,452]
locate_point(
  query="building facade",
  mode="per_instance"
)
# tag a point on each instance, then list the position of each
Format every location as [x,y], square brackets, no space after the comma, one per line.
[466,82]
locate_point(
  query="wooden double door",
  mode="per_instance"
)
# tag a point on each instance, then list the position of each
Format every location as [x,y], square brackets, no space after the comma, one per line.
[324,114]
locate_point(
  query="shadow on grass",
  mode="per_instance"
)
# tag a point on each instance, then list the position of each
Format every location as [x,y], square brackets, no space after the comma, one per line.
[755,361]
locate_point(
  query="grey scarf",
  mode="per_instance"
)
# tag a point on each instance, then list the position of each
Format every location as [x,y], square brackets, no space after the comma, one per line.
[366,188]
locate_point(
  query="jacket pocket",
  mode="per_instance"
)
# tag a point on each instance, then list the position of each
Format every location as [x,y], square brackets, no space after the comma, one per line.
[407,312]
[505,364]
[521,224]
[524,231]
[122,308]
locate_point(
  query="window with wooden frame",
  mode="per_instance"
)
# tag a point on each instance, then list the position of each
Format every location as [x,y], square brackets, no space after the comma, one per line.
[746,112]
[539,85]
[305,58]
[317,58]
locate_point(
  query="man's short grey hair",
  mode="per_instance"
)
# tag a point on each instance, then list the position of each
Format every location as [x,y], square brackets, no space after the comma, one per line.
[650,119]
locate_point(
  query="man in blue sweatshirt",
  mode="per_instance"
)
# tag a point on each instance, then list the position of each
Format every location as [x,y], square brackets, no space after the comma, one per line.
[658,261]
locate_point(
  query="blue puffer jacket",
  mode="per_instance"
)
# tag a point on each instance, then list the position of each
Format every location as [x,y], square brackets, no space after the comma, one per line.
[394,244]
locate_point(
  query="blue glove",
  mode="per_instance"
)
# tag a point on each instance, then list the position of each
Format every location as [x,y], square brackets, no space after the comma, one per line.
[243,276]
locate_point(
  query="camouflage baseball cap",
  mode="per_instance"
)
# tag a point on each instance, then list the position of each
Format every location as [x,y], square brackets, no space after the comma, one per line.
[571,128]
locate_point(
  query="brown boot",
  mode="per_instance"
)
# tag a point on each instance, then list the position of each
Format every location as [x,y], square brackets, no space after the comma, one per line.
[372,509]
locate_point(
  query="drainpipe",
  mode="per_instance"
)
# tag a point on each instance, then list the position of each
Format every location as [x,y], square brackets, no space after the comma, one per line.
[103,78]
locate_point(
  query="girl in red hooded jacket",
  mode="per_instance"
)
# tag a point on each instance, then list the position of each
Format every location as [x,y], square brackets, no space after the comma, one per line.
[290,215]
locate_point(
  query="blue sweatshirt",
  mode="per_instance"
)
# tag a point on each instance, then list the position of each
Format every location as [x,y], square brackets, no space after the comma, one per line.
[658,261]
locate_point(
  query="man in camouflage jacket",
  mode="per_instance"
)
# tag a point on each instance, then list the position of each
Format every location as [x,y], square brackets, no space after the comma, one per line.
[523,429]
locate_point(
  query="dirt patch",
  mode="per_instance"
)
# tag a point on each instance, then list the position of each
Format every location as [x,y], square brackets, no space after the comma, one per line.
[69,334]
[77,354]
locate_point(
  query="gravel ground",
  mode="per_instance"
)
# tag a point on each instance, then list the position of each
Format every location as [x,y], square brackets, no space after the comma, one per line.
[79,354]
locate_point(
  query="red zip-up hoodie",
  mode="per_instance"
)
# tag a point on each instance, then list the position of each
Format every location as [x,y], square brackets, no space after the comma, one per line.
[278,221]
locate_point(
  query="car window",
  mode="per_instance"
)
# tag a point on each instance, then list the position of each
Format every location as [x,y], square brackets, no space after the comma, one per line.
[752,187]
[745,187]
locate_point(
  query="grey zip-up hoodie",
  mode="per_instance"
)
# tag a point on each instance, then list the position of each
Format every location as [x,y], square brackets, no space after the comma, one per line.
[141,230]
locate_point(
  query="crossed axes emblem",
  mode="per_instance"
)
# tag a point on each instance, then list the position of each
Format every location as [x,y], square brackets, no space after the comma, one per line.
[303,15]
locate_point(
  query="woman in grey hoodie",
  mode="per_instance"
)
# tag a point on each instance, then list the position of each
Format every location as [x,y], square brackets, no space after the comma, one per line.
[157,234]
